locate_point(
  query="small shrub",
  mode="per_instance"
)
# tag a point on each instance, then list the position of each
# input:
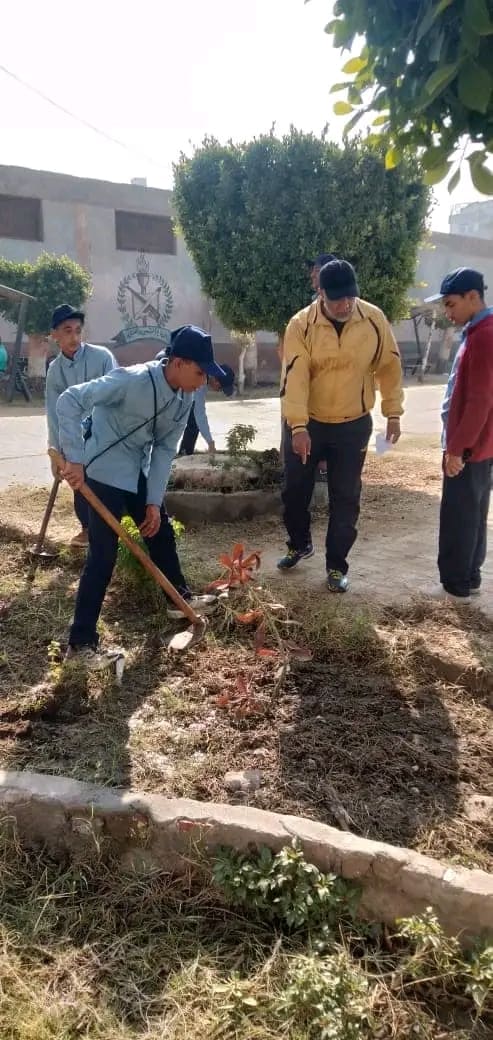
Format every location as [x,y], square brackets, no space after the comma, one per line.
[239,438]
[128,566]
[327,996]
[284,887]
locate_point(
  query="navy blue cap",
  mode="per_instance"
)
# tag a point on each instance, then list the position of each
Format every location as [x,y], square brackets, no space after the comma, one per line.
[66,313]
[321,260]
[193,344]
[338,280]
[227,380]
[458,282]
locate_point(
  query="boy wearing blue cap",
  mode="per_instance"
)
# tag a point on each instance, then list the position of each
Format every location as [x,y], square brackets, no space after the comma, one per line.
[137,416]
[77,362]
[198,421]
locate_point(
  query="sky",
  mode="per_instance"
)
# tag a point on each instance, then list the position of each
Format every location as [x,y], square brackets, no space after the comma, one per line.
[159,76]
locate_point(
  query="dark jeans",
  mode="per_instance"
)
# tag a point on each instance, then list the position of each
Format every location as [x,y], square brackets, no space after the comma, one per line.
[81,510]
[343,446]
[101,556]
[189,439]
[463,526]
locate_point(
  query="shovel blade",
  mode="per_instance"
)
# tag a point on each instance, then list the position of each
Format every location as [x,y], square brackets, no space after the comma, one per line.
[183,641]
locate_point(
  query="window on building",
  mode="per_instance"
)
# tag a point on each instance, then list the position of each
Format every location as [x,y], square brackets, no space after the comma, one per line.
[143,232]
[21,218]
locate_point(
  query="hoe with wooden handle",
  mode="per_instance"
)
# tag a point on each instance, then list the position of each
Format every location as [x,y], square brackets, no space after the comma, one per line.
[182,640]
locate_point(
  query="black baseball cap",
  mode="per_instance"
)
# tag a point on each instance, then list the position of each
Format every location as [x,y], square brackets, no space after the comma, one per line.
[321,260]
[458,282]
[66,313]
[338,280]
[193,344]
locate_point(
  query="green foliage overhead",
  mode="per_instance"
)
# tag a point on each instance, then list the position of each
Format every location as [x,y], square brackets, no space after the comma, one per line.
[426,73]
[52,280]
[252,213]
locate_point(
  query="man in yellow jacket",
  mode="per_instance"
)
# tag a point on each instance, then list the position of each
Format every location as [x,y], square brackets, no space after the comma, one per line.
[336,351]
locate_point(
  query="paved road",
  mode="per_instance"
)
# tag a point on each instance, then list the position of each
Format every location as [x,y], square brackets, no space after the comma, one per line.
[23,429]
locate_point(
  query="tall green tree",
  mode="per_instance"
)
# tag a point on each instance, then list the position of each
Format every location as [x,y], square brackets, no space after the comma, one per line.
[252,213]
[426,73]
[51,280]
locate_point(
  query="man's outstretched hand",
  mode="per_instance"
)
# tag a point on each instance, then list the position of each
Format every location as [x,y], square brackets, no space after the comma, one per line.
[152,522]
[302,445]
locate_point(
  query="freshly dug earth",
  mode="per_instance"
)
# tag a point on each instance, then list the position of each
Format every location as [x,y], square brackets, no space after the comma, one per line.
[387,730]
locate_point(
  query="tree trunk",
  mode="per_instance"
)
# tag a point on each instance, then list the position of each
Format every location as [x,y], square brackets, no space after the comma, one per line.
[37,354]
[445,350]
[251,363]
[241,369]
[426,356]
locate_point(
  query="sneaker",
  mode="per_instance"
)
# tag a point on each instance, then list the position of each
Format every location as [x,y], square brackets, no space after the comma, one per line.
[200,604]
[337,581]
[293,556]
[439,593]
[80,540]
[475,590]
[96,660]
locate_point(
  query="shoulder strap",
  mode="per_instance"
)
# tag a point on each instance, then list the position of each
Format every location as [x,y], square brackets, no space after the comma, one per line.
[136,428]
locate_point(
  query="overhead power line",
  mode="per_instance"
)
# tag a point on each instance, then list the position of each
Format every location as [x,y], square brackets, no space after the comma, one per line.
[79,119]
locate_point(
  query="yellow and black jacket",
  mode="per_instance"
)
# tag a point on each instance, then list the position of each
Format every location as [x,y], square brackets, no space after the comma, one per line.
[333,378]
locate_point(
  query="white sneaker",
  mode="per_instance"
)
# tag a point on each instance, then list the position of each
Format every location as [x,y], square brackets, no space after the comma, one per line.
[200,604]
[439,593]
[96,660]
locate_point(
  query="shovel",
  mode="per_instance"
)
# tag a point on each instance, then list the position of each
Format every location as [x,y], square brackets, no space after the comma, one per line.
[38,553]
[182,640]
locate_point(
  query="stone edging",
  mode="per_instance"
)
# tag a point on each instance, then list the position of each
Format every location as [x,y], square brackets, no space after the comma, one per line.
[149,830]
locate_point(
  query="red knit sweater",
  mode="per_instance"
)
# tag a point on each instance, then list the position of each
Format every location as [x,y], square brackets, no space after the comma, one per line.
[470,419]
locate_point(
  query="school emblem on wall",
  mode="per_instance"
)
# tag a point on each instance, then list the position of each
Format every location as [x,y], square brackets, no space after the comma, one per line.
[145,303]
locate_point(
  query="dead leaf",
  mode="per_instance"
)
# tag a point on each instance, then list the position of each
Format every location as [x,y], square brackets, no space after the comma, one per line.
[223,700]
[226,561]
[300,653]
[250,617]
[241,686]
[266,651]
[260,636]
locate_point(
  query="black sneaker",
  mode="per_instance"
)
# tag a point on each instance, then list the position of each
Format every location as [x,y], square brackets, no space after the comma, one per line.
[293,556]
[337,581]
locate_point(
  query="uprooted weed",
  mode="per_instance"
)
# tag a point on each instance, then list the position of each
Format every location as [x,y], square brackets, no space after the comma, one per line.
[267,948]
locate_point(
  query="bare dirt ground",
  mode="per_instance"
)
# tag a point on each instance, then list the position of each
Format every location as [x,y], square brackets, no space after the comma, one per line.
[388,727]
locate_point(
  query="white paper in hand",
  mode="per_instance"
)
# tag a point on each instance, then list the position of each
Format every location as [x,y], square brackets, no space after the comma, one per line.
[382,444]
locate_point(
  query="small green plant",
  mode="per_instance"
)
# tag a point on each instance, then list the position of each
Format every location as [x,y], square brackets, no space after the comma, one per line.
[239,438]
[284,887]
[127,564]
[479,976]
[328,997]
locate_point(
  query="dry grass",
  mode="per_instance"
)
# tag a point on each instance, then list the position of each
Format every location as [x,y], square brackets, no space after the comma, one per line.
[374,722]
[93,951]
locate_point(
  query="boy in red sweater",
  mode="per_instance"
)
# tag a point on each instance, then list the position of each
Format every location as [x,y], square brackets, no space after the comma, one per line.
[467,416]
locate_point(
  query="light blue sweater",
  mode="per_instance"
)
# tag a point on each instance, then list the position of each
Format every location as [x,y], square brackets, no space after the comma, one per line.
[117,403]
[201,414]
[89,362]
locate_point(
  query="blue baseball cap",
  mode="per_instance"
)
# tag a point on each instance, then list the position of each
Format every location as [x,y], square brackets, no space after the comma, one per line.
[321,260]
[193,344]
[227,380]
[458,282]
[65,313]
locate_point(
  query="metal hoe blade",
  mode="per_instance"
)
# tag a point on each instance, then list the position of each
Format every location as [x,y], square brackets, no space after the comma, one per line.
[189,637]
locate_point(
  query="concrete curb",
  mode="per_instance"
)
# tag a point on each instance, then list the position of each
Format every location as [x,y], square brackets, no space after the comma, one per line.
[148,830]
